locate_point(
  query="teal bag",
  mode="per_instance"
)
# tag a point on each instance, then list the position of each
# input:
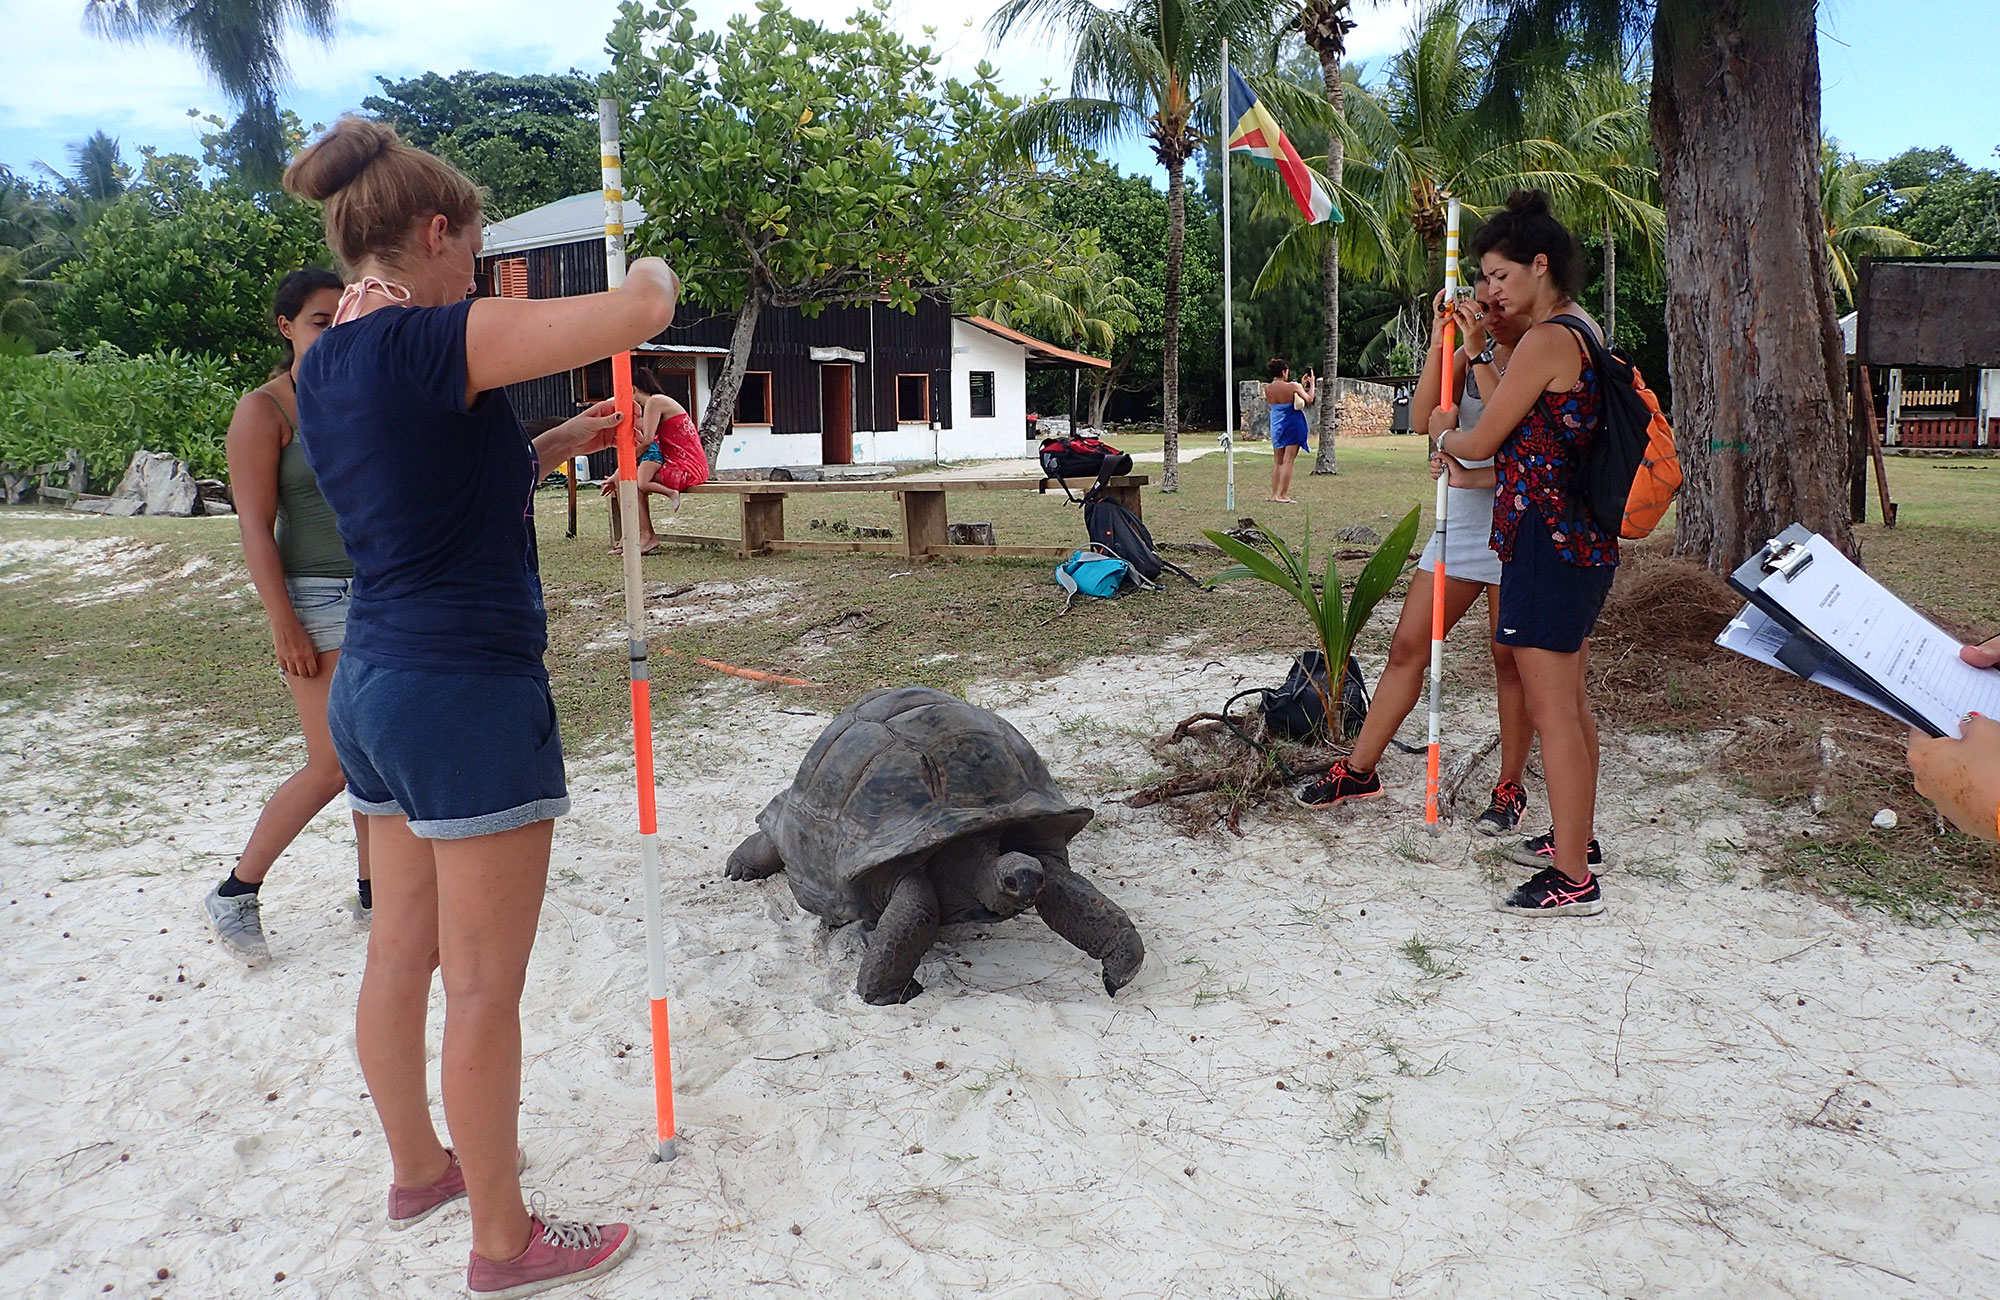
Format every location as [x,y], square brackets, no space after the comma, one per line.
[1091,574]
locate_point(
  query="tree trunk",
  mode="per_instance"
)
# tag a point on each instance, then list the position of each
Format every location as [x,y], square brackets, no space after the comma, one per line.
[1610,278]
[1170,360]
[1752,337]
[1336,159]
[720,416]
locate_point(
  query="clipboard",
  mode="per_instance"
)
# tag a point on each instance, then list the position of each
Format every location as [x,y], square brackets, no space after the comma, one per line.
[1845,630]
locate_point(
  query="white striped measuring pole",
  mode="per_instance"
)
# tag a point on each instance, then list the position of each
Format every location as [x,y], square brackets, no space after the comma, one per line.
[635,634]
[1448,346]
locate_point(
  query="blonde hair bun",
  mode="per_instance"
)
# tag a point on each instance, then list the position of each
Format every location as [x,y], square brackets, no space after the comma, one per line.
[378,190]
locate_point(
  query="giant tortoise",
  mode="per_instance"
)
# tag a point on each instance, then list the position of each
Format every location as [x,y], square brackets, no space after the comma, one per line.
[915,810]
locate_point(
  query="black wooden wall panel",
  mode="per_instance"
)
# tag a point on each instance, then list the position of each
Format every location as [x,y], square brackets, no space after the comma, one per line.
[899,342]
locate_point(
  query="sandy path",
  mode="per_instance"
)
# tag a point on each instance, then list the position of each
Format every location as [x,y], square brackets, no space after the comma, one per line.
[1028,466]
[1714,1089]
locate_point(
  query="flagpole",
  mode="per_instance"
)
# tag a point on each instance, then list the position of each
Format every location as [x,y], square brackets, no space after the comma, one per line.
[1222,128]
[635,634]
[1448,342]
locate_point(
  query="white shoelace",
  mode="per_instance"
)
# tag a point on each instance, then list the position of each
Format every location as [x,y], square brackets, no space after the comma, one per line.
[562,1234]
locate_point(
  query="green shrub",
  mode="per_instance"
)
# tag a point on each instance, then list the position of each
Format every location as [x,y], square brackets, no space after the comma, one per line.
[111,405]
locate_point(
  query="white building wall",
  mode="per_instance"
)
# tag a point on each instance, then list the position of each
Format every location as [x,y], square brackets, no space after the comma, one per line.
[1006,432]
[997,437]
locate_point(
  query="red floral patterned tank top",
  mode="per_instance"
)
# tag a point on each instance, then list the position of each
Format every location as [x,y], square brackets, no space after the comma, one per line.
[1536,466]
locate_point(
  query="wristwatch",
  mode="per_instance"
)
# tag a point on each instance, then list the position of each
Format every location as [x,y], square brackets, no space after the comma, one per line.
[1485,357]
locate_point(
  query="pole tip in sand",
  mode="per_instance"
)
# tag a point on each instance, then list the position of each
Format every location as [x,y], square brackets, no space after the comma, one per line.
[666,1152]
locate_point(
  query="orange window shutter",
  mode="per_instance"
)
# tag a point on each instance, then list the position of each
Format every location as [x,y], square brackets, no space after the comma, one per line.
[511,277]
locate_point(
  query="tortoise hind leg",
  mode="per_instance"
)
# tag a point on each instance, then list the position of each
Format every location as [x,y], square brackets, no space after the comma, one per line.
[908,928]
[1072,907]
[754,859]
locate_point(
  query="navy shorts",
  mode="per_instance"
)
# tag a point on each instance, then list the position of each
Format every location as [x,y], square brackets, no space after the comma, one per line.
[459,754]
[1547,603]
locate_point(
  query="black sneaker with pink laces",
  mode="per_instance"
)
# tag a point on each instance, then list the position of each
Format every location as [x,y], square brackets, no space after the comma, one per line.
[1551,893]
[1504,813]
[1339,785]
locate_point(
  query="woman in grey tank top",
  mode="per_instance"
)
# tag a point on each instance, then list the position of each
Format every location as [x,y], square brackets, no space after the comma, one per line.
[302,576]
[1471,567]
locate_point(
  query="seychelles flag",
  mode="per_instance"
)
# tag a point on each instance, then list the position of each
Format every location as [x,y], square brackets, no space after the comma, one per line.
[1254,131]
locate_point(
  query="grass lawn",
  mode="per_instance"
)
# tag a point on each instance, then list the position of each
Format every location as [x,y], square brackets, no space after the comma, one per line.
[155,617]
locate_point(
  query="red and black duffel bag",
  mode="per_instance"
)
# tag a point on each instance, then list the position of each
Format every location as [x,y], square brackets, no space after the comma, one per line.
[1088,458]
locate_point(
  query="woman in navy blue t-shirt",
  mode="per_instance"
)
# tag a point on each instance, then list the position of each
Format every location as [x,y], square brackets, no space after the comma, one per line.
[440,707]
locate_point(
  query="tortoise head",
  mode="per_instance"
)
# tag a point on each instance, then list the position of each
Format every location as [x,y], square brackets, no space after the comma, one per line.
[1010,884]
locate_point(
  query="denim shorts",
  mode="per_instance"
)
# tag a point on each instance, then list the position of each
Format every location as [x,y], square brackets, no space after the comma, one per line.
[321,604]
[459,754]
[1547,603]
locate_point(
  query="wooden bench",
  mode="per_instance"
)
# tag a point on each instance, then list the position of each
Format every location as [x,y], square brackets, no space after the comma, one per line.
[762,512]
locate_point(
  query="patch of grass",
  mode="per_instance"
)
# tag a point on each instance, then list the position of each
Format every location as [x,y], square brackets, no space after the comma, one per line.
[1957,882]
[1434,961]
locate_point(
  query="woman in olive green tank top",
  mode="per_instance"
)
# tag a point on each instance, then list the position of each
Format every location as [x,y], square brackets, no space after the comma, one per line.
[301,574]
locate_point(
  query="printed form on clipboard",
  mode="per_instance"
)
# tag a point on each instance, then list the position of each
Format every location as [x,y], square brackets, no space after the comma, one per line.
[1838,626]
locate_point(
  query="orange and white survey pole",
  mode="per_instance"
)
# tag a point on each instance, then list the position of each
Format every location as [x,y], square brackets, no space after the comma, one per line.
[635,637]
[1448,343]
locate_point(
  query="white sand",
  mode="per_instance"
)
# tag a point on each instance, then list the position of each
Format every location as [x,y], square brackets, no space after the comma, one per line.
[1714,1089]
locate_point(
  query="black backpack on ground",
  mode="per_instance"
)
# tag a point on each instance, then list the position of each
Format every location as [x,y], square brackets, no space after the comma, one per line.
[1067,458]
[1117,531]
[1297,710]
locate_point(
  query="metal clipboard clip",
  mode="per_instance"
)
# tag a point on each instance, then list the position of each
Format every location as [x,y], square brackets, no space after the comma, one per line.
[1786,559]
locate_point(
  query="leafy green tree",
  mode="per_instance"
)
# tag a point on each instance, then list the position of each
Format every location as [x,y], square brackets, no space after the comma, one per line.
[178,265]
[1937,200]
[1854,209]
[1129,218]
[526,140]
[783,163]
[238,43]
[1085,308]
[230,150]
[1759,377]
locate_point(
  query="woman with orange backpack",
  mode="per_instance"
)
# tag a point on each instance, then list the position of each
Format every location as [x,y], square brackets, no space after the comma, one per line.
[1556,561]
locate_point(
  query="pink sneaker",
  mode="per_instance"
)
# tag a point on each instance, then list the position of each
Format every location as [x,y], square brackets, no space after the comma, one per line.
[557,1253]
[409,1206]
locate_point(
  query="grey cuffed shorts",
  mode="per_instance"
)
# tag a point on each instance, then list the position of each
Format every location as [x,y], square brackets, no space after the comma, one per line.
[321,604]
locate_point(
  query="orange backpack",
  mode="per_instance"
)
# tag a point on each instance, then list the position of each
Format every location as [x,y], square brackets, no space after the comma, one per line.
[1631,471]
[1658,478]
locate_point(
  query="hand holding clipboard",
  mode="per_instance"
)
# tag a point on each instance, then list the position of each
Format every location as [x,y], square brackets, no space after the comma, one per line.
[1962,777]
[1814,613]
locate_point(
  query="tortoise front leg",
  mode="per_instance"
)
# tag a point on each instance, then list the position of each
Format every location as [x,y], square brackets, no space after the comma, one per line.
[1072,907]
[908,928]
[754,859]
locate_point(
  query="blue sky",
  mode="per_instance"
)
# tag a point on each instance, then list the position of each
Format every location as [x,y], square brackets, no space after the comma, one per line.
[1913,72]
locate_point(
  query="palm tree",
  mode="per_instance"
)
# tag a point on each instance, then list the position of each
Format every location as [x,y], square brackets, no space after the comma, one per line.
[1758,376]
[1598,115]
[1138,70]
[238,44]
[97,170]
[1324,25]
[1854,218]
[1085,307]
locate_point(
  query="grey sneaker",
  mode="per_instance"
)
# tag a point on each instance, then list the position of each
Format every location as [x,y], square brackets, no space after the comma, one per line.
[238,923]
[363,915]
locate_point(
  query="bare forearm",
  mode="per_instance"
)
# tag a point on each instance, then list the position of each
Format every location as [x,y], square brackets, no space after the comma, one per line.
[267,571]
